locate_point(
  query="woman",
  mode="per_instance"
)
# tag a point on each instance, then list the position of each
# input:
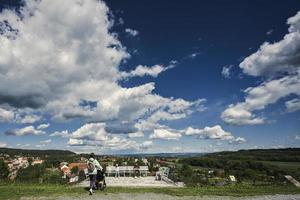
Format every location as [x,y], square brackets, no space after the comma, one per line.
[93,167]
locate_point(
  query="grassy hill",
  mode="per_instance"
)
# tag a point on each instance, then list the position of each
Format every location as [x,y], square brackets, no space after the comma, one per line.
[285,155]
[34,152]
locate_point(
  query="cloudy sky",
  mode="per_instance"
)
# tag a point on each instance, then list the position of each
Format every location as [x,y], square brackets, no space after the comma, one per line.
[167,76]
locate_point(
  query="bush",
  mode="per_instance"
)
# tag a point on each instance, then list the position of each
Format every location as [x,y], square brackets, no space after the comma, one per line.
[32,173]
[3,170]
[81,175]
[54,177]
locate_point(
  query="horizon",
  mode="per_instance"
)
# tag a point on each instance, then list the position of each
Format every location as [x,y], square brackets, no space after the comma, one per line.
[111,77]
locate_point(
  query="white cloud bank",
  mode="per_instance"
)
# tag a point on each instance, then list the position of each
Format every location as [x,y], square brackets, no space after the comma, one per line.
[73,58]
[28,130]
[280,64]
[3,144]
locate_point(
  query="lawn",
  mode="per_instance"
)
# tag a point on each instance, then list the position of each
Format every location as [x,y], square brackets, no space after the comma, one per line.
[284,165]
[15,191]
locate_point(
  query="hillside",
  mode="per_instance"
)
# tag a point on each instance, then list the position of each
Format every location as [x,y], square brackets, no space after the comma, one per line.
[34,152]
[286,155]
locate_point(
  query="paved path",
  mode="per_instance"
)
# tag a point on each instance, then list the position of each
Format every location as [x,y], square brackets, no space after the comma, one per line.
[152,196]
[148,181]
[292,180]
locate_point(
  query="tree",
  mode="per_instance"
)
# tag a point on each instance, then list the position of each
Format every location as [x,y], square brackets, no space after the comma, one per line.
[81,175]
[54,177]
[31,174]
[75,170]
[3,170]
[30,160]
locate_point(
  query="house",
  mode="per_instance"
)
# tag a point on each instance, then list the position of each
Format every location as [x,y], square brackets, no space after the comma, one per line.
[37,162]
[232,178]
[73,178]
[81,166]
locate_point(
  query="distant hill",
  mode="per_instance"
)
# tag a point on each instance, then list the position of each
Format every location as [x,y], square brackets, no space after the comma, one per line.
[286,155]
[162,155]
[34,152]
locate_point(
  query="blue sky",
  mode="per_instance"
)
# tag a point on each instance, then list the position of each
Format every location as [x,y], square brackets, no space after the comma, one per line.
[169,76]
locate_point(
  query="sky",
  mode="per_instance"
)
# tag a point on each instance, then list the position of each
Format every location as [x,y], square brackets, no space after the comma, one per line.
[139,76]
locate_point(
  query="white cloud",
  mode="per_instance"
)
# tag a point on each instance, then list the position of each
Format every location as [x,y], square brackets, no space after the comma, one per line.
[292,105]
[131,32]
[226,71]
[27,118]
[282,56]
[136,134]
[238,140]
[141,71]
[95,136]
[215,132]
[23,145]
[40,145]
[6,115]
[43,126]
[46,141]
[194,55]
[28,130]
[59,71]
[165,134]
[63,134]
[280,63]
[3,144]
[147,144]
[257,98]
[297,137]
[269,32]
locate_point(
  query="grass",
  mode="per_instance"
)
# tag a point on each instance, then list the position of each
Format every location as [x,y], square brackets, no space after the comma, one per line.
[284,165]
[17,190]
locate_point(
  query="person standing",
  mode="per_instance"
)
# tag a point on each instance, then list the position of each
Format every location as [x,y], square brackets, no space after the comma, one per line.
[93,168]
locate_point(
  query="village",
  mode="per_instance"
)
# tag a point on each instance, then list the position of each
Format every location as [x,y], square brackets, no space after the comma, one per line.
[131,171]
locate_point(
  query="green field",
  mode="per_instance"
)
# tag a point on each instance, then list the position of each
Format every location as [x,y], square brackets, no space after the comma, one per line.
[16,191]
[284,165]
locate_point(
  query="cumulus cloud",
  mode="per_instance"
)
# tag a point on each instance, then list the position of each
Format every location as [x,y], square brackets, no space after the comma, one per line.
[43,126]
[257,98]
[194,55]
[292,105]
[226,71]
[3,144]
[141,70]
[28,130]
[63,134]
[282,56]
[136,134]
[147,144]
[131,32]
[269,32]
[238,140]
[46,141]
[27,118]
[74,59]
[6,115]
[165,134]
[280,64]
[95,135]
[214,132]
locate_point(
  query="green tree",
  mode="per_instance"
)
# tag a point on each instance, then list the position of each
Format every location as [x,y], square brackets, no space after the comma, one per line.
[81,175]
[54,177]
[75,170]
[31,174]
[3,170]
